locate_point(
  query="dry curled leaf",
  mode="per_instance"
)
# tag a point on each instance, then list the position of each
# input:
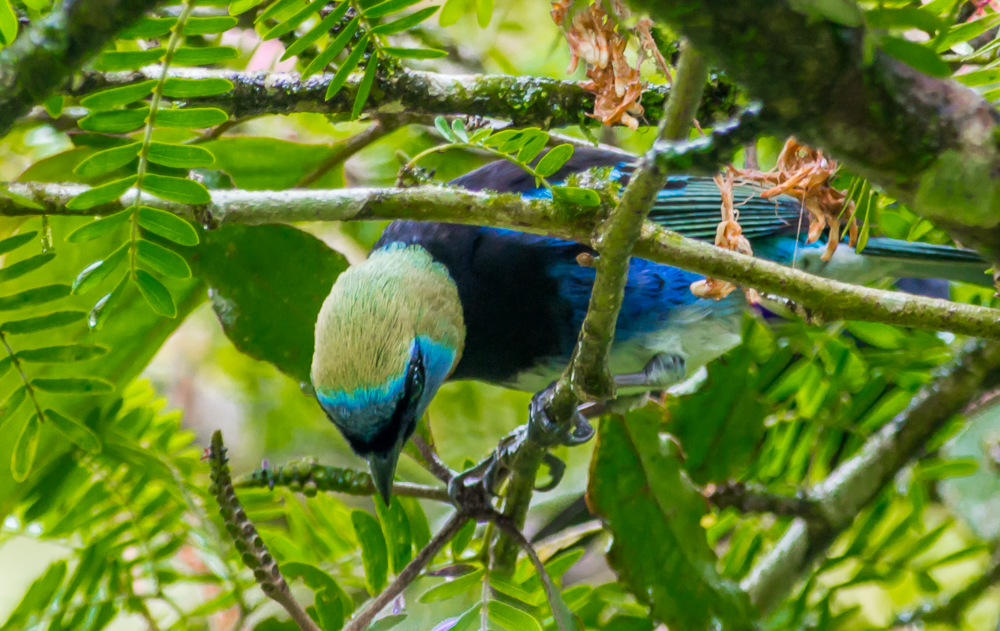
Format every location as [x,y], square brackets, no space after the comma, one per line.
[598,40]
[804,173]
[728,235]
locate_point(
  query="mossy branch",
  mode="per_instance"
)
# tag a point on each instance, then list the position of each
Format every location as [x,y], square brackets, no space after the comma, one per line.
[825,298]
[49,51]
[248,542]
[309,478]
[525,101]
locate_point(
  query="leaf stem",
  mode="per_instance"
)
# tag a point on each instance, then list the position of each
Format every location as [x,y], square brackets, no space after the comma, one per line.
[30,391]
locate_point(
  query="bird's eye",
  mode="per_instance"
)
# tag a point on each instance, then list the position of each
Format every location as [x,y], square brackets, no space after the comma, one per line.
[416,389]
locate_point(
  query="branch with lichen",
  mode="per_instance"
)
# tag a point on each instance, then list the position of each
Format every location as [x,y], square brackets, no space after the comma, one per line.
[525,101]
[248,542]
[309,478]
[929,142]
[587,377]
[825,299]
[54,47]
[857,481]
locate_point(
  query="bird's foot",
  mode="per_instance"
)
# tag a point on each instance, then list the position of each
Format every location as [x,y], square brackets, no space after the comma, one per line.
[659,373]
[545,431]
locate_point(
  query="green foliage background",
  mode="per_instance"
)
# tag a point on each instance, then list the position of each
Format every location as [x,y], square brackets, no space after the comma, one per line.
[126,536]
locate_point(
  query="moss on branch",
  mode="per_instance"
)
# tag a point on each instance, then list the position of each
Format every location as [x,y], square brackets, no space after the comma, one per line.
[525,101]
[42,59]
[828,298]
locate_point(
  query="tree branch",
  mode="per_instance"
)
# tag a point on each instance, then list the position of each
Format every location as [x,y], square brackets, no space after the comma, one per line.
[525,101]
[930,142]
[856,482]
[42,59]
[753,499]
[827,299]
[344,150]
[409,573]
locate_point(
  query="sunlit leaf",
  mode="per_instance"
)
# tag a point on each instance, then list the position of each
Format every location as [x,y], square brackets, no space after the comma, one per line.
[32,297]
[127,60]
[28,265]
[554,160]
[374,555]
[364,88]
[8,24]
[441,123]
[168,226]
[93,274]
[12,243]
[512,618]
[100,227]
[115,122]
[404,23]
[117,97]
[185,88]
[578,196]
[322,28]
[396,528]
[108,160]
[414,53]
[294,21]
[454,587]
[156,294]
[59,354]
[192,118]
[25,448]
[101,194]
[176,189]
[73,385]
[347,67]
[148,28]
[42,323]
[75,431]
[199,25]
[915,55]
[162,260]
[180,156]
[204,56]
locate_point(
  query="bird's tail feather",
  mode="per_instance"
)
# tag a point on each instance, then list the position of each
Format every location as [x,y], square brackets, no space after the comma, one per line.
[927,260]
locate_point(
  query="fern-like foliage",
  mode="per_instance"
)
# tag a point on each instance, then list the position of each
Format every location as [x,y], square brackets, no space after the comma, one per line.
[153,166]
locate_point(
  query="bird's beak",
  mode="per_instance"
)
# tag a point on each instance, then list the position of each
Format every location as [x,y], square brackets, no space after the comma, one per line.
[383,468]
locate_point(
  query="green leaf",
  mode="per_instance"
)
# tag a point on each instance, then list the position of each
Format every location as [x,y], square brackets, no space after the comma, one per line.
[554,160]
[443,128]
[108,160]
[937,469]
[204,56]
[414,53]
[248,268]
[25,448]
[468,620]
[73,385]
[965,32]
[517,139]
[42,323]
[101,194]
[176,189]
[100,227]
[462,539]
[916,56]
[458,127]
[451,12]
[512,618]
[293,22]
[8,24]
[115,122]
[578,196]
[191,118]
[28,265]
[64,353]
[5,365]
[386,622]
[903,18]
[333,48]
[396,528]
[481,135]
[532,147]
[38,599]
[155,294]
[93,274]
[273,10]
[148,28]
[420,530]
[453,587]
[348,66]
[722,423]
[404,23]
[364,88]
[186,88]
[162,260]
[484,11]
[13,404]
[919,229]
[313,34]
[653,511]
[118,97]
[242,6]
[127,60]
[19,200]
[978,78]
[167,225]
[387,7]
[34,296]
[54,105]
[12,243]
[180,156]
[374,555]
[76,432]
[102,308]
[208,25]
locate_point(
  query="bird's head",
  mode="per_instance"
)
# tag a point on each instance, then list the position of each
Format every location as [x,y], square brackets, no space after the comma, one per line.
[387,336]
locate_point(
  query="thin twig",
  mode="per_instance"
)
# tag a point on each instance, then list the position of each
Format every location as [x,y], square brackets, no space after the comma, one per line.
[344,150]
[409,573]
[431,461]
[752,499]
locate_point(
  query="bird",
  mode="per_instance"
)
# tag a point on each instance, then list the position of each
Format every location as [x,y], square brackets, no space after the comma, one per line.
[437,301]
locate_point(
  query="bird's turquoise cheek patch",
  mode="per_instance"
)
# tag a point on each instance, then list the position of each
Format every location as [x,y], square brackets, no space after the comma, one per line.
[438,361]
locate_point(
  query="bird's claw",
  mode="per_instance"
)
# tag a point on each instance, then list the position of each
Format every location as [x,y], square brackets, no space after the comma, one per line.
[557,468]
[544,431]
[481,482]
